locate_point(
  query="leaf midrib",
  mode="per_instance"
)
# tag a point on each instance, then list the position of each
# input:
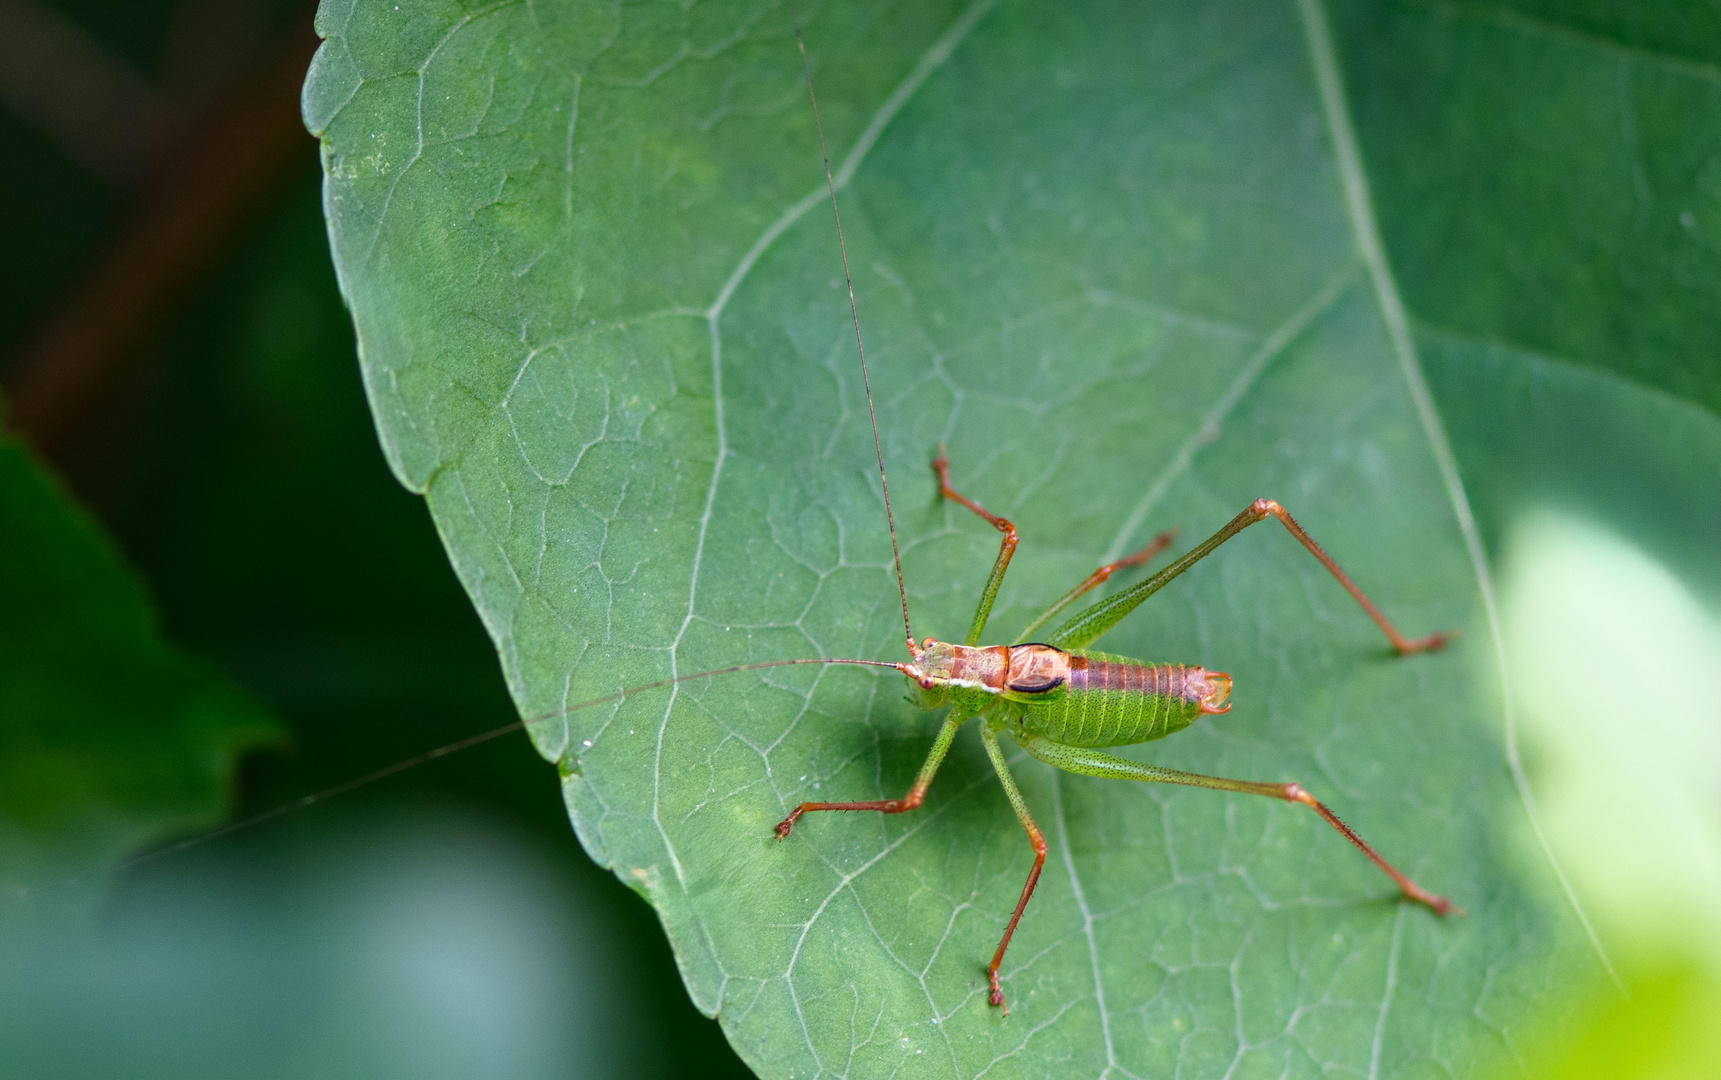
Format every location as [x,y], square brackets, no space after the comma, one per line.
[1366,233]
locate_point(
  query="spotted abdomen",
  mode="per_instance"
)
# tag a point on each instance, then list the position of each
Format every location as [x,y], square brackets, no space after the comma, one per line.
[1115,701]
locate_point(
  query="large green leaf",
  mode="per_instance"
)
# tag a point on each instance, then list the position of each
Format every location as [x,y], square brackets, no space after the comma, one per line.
[1124,264]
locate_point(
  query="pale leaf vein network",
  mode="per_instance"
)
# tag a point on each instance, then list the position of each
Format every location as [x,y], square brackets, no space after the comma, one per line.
[929,62]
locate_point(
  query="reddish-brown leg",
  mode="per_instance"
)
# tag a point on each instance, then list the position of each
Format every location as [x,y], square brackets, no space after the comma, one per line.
[1098,577]
[1438,904]
[1087,626]
[1095,579]
[1006,549]
[1260,508]
[884,806]
[995,992]
[909,801]
[1085,761]
[941,465]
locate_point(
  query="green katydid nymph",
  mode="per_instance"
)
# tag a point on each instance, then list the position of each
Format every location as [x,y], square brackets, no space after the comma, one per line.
[1063,704]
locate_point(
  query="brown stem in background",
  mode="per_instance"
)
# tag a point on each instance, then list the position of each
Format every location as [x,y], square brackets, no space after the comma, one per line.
[184,222]
[98,109]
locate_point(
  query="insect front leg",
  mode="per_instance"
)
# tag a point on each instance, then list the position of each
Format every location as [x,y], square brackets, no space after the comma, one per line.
[1017,803]
[1089,762]
[909,801]
[1086,627]
[1006,549]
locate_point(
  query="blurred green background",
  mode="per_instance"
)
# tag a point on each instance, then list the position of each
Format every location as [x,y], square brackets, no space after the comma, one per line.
[178,360]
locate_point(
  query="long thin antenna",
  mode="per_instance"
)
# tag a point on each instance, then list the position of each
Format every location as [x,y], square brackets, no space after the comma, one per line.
[854,309]
[465,744]
[318,796]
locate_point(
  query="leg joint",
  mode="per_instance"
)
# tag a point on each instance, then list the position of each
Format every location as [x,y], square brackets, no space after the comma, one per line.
[941,465]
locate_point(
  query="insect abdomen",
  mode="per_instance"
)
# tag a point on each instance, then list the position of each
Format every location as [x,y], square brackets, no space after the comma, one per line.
[1116,701]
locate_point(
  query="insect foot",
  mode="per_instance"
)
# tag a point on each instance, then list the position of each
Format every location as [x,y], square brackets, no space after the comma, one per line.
[1432,643]
[1412,891]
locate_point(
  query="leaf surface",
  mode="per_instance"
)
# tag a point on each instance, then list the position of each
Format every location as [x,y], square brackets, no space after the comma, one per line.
[1547,176]
[1120,264]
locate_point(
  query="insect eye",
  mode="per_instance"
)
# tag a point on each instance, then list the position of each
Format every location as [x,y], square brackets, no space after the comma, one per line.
[929,643]
[927,682]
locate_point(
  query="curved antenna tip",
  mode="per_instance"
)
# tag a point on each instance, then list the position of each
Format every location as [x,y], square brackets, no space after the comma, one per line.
[854,310]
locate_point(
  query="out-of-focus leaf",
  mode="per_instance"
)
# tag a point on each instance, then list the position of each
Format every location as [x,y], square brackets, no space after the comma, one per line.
[1106,255]
[109,737]
[1548,175]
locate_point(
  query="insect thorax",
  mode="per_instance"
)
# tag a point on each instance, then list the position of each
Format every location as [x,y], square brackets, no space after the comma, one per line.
[974,677]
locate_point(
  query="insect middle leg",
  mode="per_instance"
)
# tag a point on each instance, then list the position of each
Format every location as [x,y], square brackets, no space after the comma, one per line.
[1089,762]
[1096,579]
[1007,550]
[909,801]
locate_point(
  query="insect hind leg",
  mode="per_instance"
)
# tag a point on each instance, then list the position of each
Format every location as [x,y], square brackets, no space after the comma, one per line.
[1260,509]
[1088,762]
[1087,626]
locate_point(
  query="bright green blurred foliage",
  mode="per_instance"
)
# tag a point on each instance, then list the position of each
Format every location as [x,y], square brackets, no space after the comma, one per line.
[1614,672]
[1664,1030]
